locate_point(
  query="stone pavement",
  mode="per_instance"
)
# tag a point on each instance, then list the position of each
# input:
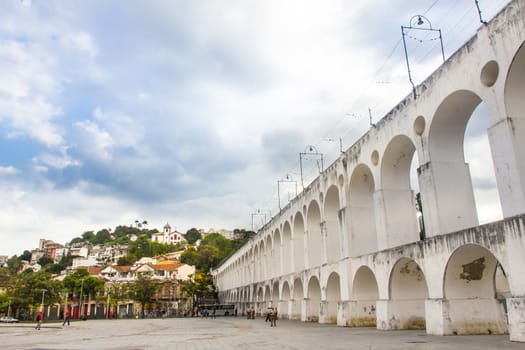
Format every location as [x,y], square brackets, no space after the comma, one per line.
[229,333]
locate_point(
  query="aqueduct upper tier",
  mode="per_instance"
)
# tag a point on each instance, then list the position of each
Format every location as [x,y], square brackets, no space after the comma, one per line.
[358,247]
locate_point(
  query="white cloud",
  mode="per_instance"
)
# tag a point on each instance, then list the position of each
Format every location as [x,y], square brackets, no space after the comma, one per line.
[174,109]
[8,170]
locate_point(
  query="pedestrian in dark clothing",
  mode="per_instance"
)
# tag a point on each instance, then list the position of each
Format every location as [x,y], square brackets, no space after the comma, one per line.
[268,313]
[273,318]
[39,318]
[66,318]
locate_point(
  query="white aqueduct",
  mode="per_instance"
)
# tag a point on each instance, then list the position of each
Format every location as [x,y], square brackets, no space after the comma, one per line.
[348,249]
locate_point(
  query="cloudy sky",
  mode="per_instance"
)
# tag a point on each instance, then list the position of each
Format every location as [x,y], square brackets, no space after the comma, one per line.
[188,112]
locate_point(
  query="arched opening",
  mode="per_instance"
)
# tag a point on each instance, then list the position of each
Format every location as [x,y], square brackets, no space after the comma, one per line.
[287,248]
[315,241]
[364,296]
[513,133]
[275,294]
[258,266]
[298,296]
[361,221]
[331,216]
[399,207]
[298,242]
[314,300]
[475,289]
[449,202]
[408,292]
[260,296]
[285,299]
[276,254]
[267,266]
[477,154]
[333,297]
[267,298]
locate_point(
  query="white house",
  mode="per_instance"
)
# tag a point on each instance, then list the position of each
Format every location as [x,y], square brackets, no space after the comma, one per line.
[167,236]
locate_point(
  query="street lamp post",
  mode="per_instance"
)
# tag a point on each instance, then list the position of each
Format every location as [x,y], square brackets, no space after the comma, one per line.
[42,304]
[416,23]
[9,307]
[81,302]
[107,303]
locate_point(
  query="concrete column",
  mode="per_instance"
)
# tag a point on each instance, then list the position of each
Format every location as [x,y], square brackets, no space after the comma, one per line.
[516,312]
[447,197]
[324,314]
[437,317]
[305,306]
[508,153]
[396,220]
[324,258]
[306,238]
[341,314]
[383,314]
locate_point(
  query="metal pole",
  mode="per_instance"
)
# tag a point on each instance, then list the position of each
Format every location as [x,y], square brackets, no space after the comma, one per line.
[42,304]
[479,12]
[107,302]
[81,302]
[408,63]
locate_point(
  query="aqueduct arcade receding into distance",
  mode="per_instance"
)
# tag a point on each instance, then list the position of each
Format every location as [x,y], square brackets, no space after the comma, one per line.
[348,249]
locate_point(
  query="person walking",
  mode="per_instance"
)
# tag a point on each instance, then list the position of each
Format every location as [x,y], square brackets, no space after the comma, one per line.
[66,318]
[39,318]
[273,318]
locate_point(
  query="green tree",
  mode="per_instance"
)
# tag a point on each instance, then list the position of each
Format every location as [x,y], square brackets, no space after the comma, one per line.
[103,236]
[81,282]
[30,287]
[190,256]
[143,290]
[126,260]
[26,255]
[89,236]
[196,287]
[192,235]
[44,261]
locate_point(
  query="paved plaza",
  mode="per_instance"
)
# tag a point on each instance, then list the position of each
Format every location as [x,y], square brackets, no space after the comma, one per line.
[229,333]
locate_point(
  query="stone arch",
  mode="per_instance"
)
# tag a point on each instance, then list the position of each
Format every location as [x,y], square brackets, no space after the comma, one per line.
[287,255]
[333,297]
[267,297]
[331,225]
[285,298]
[259,258]
[275,294]
[313,304]
[453,207]
[298,296]
[276,254]
[515,129]
[298,242]
[515,86]
[361,220]
[365,293]
[408,292]
[399,209]
[260,295]
[475,288]
[315,241]
[267,265]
